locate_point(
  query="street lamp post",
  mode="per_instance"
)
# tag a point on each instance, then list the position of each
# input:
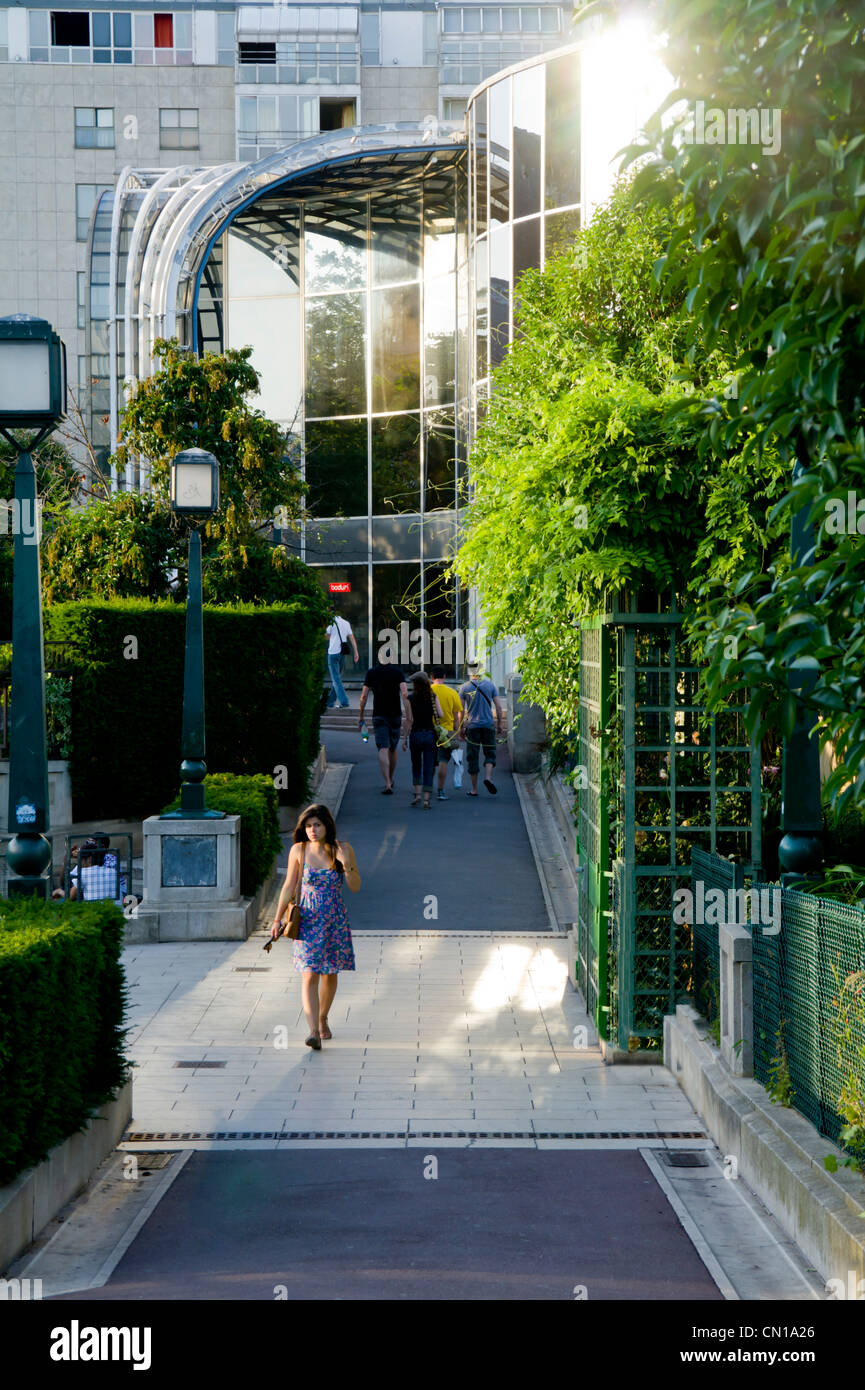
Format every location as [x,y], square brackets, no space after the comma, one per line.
[194,494]
[32,396]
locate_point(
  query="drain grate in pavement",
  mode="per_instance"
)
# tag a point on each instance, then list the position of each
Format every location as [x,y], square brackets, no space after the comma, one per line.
[151,1160]
[188,1065]
[141,1138]
[252,969]
[685,1158]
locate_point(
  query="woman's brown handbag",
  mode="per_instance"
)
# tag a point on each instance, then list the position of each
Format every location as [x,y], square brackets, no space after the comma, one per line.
[291,930]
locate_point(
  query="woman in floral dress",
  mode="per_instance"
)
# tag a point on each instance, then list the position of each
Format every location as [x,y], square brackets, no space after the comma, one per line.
[323,946]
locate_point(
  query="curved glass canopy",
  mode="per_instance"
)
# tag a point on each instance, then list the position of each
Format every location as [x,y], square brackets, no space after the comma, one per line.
[166,223]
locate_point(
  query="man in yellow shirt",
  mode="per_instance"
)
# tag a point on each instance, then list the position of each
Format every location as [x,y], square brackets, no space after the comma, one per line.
[452,709]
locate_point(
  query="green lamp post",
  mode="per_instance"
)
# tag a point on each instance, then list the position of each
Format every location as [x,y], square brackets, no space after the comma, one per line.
[194,494]
[32,397]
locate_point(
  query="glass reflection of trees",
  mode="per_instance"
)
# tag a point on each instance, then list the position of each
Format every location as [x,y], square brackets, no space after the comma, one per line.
[396,597]
[335,241]
[396,464]
[396,348]
[528,118]
[336,467]
[335,358]
[396,239]
[439,460]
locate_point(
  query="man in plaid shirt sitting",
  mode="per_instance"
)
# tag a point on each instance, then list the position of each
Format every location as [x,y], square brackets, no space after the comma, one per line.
[96,874]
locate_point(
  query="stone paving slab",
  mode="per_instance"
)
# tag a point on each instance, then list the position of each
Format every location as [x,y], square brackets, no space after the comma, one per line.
[492,1050]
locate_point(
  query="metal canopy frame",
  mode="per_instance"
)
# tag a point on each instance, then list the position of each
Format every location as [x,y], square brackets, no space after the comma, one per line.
[173,218]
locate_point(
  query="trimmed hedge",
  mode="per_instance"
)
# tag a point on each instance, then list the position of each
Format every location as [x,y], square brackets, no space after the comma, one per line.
[262,681]
[254,799]
[62,998]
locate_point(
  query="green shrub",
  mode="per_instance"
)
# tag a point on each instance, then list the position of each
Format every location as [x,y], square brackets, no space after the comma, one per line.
[62,997]
[255,800]
[262,677]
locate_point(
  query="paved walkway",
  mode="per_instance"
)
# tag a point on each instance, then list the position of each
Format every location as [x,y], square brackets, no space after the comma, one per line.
[450,1025]
[338,1225]
[432,1033]
[468,860]
[445,1040]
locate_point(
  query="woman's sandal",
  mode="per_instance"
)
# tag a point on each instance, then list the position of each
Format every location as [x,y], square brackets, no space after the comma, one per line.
[314,1041]
[415,802]
[323,1030]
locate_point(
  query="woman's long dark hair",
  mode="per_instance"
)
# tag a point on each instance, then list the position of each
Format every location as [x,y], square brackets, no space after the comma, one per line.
[318,811]
[422,691]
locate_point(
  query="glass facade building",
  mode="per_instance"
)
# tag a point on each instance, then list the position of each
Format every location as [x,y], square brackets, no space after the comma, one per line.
[375,273]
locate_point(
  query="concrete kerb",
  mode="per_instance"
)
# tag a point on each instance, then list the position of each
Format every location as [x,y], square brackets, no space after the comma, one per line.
[777,1152]
[34,1198]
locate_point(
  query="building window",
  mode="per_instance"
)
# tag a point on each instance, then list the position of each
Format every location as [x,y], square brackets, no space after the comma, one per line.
[94,128]
[335,113]
[4,36]
[510,19]
[321,58]
[269,123]
[70,29]
[86,195]
[163,31]
[178,128]
[256,52]
[454,108]
[82,298]
[225,40]
[430,39]
[508,36]
[370,38]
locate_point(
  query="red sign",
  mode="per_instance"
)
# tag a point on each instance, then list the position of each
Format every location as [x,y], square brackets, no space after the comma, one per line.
[343,587]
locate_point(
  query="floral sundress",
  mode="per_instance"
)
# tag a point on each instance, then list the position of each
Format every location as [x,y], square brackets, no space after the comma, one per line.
[324,942]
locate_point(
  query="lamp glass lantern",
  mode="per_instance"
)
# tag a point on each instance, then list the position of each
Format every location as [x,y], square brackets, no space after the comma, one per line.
[32,373]
[194,483]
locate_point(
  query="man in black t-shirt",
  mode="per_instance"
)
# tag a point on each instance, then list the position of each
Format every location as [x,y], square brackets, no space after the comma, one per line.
[387,683]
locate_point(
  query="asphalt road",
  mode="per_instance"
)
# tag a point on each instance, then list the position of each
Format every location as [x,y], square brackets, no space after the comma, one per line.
[471,855]
[338,1224]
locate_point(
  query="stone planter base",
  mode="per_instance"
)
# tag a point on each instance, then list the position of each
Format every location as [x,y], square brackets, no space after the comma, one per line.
[222,922]
[34,1198]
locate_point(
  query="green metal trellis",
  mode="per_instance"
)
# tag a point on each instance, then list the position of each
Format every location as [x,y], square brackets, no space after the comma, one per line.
[658,778]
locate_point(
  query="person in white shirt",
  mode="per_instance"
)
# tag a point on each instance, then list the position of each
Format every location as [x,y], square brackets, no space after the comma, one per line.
[338,633]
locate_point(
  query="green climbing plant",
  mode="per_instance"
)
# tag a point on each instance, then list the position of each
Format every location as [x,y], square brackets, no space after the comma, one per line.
[848,1006]
[587,473]
[780,1084]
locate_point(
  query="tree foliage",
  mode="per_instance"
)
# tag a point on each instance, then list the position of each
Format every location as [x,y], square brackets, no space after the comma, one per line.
[122,546]
[768,255]
[201,402]
[587,473]
[129,545]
